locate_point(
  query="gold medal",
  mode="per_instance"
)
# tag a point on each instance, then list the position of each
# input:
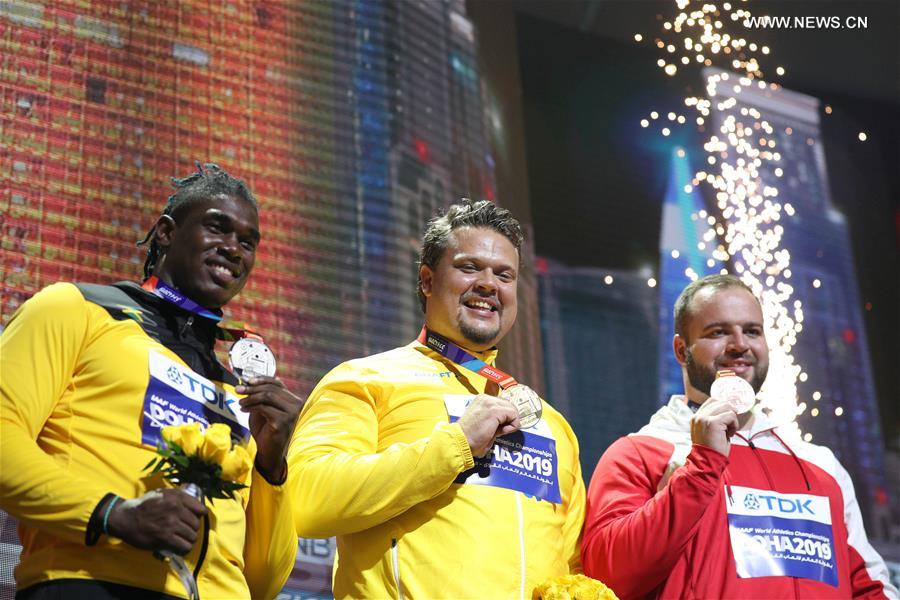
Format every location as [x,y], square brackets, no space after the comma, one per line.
[527,403]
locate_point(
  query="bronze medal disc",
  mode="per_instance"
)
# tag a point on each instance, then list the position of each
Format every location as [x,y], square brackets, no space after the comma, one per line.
[734,390]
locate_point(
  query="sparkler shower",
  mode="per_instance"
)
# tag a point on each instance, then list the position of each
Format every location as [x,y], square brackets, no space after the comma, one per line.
[743,169]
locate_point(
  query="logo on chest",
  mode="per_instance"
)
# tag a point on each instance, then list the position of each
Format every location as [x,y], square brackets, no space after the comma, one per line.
[176,395]
[780,534]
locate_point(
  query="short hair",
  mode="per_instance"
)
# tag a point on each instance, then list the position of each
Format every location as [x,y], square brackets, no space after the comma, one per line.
[714,282]
[466,213]
[208,182]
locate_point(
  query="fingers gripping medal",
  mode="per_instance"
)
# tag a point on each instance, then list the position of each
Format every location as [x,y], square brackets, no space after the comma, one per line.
[736,391]
[250,357]
[527,403]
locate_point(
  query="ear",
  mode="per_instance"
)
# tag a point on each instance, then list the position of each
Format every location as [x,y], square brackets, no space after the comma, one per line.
[679,346]
[165,230]
[426,276]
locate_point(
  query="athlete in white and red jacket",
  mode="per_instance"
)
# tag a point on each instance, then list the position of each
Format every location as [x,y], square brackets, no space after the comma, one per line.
[705,503]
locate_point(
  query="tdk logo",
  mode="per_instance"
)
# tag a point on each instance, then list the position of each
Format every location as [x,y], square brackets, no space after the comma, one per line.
[756,503]
[181,386]
[198,388]
[785,505]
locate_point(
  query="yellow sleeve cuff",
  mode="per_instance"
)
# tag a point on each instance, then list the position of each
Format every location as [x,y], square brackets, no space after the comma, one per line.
[462,445]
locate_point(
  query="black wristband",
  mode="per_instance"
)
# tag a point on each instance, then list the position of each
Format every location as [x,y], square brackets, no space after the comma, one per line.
[95,523]
[269,481]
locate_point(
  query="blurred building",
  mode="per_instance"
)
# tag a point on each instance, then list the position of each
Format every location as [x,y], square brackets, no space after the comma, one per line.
[599,331]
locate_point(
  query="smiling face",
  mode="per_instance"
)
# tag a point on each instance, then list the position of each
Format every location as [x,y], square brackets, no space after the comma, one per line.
[724,330]
[208,253]
[471,293]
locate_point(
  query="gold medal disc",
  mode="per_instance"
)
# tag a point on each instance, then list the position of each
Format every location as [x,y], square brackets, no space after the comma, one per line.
[527,402]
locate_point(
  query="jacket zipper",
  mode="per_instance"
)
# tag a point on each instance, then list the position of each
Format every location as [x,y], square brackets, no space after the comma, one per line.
[521,546]
[395,560]
[765,469]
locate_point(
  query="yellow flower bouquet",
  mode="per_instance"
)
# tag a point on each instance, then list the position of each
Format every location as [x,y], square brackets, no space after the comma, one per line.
[572,587]
[208,459]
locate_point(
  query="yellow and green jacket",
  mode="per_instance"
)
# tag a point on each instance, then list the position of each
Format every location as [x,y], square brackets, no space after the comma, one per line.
[377,461]
[73,380]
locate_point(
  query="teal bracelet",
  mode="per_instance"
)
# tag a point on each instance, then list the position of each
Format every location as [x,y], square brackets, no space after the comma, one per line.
[109,508]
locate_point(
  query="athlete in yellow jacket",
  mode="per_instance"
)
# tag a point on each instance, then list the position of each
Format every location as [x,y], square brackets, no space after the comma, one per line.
[383,455]
[85,387]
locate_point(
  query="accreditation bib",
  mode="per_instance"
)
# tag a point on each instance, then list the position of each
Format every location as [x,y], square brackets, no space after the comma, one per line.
[176,395]
[524,461]
[775,534]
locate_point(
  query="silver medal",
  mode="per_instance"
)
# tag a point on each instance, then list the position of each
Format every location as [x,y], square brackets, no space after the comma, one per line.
[736,391]
[250,357]
[527,403]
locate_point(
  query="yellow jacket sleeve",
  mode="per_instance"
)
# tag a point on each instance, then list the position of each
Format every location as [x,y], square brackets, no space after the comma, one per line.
[575,507]
[270,546]
[39,352]
[341,482]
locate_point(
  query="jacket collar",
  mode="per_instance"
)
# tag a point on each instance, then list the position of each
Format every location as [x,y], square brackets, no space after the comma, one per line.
[205,329]
[488,356]
[676,416]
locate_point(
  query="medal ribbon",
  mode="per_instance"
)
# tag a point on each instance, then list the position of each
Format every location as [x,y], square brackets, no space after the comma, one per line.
[458,356]
[162,290]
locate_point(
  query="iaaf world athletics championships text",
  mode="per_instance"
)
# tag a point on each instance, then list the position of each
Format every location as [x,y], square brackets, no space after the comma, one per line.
[808,22]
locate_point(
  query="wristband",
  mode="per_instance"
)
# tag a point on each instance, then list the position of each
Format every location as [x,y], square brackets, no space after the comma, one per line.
[109,508]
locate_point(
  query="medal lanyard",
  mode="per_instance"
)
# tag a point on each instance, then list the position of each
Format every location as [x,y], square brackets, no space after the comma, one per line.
[161,290]
[458,356]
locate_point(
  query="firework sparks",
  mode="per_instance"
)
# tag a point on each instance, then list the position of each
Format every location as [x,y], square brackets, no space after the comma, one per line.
[744,166]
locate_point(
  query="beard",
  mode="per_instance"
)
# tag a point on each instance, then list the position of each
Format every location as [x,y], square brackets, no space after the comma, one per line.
[702,377]
[478,335]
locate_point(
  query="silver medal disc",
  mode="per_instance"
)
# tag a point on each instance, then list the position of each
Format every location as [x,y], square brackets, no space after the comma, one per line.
[250,357]
[527,402]
[734,390]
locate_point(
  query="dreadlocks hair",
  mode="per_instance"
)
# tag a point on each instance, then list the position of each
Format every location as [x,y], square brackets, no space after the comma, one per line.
[467,213]
[208,182]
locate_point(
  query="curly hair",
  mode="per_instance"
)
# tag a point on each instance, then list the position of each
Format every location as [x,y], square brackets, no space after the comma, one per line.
[466,213]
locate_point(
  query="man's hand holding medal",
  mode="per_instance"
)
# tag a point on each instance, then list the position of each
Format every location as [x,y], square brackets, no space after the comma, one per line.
[273,408]
[716,421]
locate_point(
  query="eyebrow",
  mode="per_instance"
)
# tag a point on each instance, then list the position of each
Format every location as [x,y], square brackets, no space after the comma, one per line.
[472,257]
[215,213]
[744,325]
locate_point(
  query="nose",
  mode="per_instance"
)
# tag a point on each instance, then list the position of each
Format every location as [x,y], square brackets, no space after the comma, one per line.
[737,343]
[486,282]
[230,246]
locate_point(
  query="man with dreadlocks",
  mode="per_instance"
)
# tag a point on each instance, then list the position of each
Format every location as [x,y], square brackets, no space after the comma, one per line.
[90,375]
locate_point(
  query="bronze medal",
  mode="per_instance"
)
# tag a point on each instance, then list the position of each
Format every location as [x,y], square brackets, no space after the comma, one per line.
[733,389]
